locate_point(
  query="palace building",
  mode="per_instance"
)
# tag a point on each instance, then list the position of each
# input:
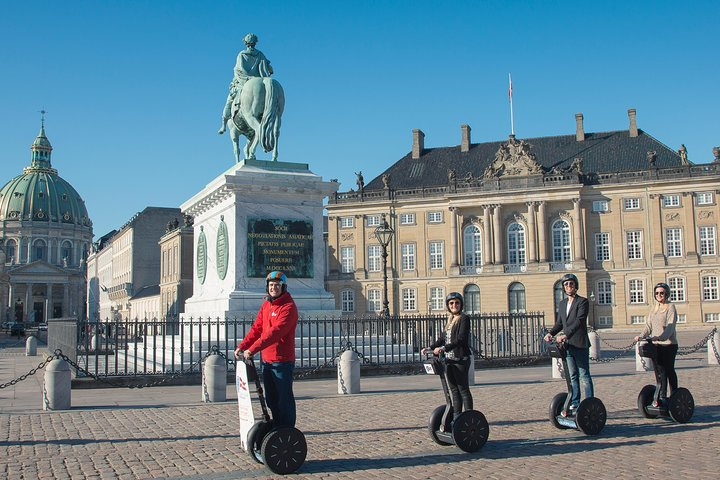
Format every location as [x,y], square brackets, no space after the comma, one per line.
[501,222]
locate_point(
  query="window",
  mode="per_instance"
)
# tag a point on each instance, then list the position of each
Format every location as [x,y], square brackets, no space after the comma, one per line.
[704,198]
[602,246]
[437,298]
[634,244]
[374,300]
[347,259]
[516,297]
[673,242]
[472,246]
[471,295]
[637,290]
[348,301]
[435,217]
[407,252]
[407,219]
[409,296]
[561,241]
[38,250]
[710,288]
[347,222]
[604,295]
[677,289]
[670,201]
[516,244]
[600,206]
[66,253]
[707,240]
[712,317]
[637,319]
[681,318]
[605,321]
[10,251]
[374,257]
[631,204]
[373,220]
[436,255]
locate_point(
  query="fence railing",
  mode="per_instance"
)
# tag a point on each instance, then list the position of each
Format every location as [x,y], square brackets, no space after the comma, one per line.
[142,347]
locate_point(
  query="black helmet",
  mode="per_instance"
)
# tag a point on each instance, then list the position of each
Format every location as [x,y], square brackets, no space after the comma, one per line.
[665,287]
[454,296]
[570,276]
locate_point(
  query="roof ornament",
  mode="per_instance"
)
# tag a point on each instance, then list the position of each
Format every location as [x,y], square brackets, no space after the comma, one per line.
[513,159]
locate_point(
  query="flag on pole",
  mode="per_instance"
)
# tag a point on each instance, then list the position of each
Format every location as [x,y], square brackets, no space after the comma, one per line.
[512,117]
[510,89]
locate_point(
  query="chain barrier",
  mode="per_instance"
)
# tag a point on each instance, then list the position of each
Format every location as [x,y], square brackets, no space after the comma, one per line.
[715,347]
[30,373]
[697,346]
[628,347]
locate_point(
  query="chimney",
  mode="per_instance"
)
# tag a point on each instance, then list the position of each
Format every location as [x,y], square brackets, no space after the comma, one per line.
[579,130]
[465,144]
[633,123]
[418,143]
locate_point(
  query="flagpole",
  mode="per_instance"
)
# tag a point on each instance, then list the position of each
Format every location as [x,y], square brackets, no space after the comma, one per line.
[512,117]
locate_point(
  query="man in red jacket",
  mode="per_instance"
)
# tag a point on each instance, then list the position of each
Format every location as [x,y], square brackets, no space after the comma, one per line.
[273,334]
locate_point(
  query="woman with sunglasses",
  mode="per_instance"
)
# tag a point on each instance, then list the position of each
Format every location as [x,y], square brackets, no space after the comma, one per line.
[660,330]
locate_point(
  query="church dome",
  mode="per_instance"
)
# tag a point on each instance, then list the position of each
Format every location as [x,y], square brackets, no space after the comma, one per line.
[39,194]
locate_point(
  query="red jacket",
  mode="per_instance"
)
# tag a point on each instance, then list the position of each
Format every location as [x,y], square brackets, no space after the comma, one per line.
[273,332]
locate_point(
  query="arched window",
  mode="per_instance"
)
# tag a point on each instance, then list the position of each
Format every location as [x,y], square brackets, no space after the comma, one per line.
[558,294]
[516,244]
[10,251]
[39,250]
[66,253]
[472,246]
[471,294]
[516,297]
[561,242]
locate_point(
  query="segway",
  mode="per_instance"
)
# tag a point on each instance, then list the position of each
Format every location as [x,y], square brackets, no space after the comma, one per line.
[680,406]
[469,432]
[282,449]
[590,416]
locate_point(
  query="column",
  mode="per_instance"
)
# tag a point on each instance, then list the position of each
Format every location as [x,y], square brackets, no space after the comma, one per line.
[497,230]
[487,246]
[66,302]
[532,257]
[49,313]
[453,237]
[579,253]
[28,301]
[542,235]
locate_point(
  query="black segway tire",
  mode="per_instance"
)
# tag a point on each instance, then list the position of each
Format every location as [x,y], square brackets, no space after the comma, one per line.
[284,450]
[645,398]
[470,431]
[556,406]
[434,424]
[681,405]
[255,439]
[591,416]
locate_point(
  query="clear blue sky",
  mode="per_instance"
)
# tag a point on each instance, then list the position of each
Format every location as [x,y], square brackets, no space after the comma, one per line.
[135,89]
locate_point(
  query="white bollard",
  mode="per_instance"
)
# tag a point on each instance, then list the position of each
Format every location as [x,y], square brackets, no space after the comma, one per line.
[95,342]
[56,388]
[594,344]
[642,364]
[31,346]
[214,382]
[557,368]
[713,349]
[471,371]
[349,373]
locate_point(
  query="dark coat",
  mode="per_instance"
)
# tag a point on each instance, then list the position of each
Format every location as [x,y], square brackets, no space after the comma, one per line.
[460,346]
[573,323]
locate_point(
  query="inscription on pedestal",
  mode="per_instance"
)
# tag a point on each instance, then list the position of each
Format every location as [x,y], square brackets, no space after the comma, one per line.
[201,257]
[280,244]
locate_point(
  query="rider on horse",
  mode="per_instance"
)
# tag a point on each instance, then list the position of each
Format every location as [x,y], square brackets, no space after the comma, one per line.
[251,62]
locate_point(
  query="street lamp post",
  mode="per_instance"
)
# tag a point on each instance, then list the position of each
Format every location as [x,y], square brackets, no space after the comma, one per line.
[384,234]
[592,302]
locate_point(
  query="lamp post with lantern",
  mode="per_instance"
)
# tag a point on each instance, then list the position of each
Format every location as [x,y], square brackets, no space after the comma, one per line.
[384,234]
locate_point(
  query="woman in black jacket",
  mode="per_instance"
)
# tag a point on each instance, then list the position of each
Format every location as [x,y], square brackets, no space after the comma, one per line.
[454,342]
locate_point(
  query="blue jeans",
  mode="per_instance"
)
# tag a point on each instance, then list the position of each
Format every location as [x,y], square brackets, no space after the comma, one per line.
[578,360]
[278,381]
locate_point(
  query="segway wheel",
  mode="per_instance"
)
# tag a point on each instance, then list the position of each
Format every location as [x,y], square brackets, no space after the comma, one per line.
[591,416]
[284,450]
[645,398]
[470,431]
[255,439]
[434,424]
[681,405]
[556,406]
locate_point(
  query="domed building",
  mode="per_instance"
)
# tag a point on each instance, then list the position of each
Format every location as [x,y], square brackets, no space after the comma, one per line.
[45,235]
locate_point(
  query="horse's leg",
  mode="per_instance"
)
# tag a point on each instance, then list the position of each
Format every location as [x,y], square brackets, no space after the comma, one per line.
[235,138]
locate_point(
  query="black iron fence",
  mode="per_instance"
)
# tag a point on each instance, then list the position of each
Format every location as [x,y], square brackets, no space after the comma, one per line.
[142,347]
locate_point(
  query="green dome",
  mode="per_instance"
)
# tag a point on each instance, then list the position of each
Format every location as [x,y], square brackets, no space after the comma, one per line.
[39,194]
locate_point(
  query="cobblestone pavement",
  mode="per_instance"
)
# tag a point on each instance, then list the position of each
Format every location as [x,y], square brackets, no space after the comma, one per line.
[166,432]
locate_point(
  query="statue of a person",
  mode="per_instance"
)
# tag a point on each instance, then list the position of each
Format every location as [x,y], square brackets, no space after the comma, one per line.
[251,62]
[683,154]
[452,176]
[651,157]
[360,181]
[386,181]
[716,154]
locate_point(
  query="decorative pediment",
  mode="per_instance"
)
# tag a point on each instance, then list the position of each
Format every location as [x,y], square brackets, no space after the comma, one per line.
[513,159]
[38,268]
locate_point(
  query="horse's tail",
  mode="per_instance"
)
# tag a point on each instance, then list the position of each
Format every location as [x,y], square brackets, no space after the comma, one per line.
[272,113]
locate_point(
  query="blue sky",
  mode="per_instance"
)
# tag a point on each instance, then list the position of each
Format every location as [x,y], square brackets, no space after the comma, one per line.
[135,89]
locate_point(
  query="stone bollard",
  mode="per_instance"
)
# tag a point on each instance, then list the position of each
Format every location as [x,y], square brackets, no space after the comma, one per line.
[594,344]
[214,382]
[713,349]
[349,373]
[557,368]
[56,388]
[471,371]
[95,342]
[31,346]
[639,367]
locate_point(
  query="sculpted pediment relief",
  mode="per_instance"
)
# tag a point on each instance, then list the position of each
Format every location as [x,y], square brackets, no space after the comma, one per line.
[513,159]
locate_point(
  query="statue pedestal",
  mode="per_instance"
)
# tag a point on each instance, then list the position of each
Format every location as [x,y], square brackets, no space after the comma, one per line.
[256,217]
